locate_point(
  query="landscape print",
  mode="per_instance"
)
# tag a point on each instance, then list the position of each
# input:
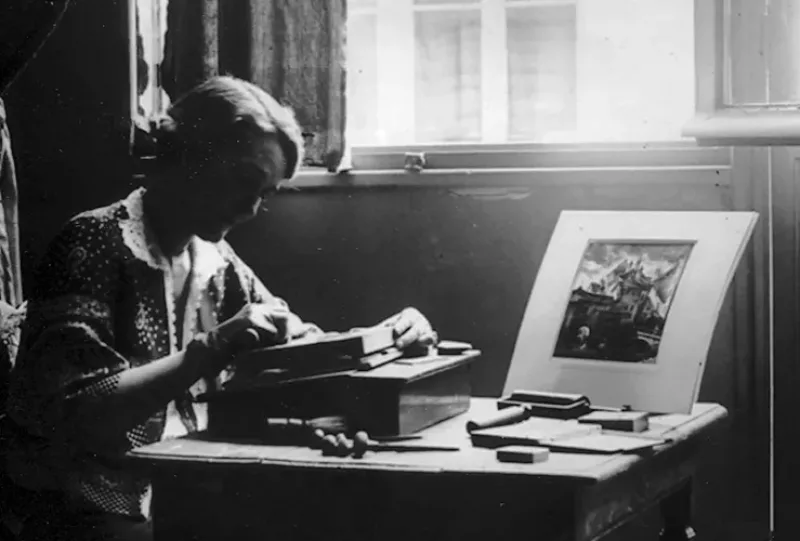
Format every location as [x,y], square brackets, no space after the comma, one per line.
[620,301]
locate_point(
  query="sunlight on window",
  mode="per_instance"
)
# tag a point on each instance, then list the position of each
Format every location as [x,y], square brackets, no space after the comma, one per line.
[151,21]
[447,75]
[495,71]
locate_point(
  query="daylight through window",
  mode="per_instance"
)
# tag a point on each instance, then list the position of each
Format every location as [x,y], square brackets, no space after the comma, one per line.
[499,71]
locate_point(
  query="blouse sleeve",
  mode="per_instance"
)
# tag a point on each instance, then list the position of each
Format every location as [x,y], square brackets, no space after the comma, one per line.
[67,353]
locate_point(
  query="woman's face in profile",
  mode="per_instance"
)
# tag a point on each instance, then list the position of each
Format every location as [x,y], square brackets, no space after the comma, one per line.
[231,188]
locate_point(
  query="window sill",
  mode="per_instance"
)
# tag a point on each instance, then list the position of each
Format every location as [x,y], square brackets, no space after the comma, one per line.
[506,177]
[521,156]
[746,127]
[516,166]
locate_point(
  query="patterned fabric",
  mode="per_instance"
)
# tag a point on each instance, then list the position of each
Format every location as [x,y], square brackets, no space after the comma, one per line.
[10,274]
[11,289]
[103,303]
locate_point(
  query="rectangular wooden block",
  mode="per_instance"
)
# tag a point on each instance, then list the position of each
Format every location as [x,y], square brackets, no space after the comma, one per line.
[333,350]
[627,421]
[523,454]
[400,398]
[391,400]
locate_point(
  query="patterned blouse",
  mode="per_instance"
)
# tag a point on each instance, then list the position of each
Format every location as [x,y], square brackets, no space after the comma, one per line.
[104,302]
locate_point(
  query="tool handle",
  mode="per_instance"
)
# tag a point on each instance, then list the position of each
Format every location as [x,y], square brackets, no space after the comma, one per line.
[409,447]
[507,416]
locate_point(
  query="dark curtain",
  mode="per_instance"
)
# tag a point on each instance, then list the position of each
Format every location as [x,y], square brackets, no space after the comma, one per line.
[293,49]
[24,27]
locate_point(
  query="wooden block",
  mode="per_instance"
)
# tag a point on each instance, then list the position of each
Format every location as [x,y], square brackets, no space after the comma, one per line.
[523,454]
[627,421]
[399,399]
[390,400]
[533,432]
[333,350]
[450,347]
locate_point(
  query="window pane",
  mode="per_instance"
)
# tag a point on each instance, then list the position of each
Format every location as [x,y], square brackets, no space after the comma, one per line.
[362,80]
[758,58]
[783,23]
[448,76]
[635,69]
[541,71]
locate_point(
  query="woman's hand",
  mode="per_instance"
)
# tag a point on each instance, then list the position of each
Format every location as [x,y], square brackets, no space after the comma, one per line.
[411,328]
[254,326]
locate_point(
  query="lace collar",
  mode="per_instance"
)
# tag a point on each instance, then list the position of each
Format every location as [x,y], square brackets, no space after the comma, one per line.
[208,259]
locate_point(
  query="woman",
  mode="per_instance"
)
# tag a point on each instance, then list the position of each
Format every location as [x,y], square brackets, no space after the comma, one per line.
[141,304]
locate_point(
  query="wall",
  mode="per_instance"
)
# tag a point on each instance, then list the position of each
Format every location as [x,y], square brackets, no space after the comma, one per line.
[347,257]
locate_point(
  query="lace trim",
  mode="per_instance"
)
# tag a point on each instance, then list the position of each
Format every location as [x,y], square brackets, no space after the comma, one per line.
[172,316]
[192,305]
[134,233]
[209,264]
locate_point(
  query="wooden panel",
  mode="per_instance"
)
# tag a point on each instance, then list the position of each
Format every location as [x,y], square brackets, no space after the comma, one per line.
[752,338]
[786,236]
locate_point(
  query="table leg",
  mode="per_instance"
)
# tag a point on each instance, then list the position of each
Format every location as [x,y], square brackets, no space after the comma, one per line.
[676,512]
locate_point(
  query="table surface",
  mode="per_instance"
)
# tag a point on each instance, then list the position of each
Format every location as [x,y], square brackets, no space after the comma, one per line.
[570,467]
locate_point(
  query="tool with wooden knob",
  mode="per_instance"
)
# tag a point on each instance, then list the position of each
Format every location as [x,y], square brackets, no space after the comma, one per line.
[362,444]
[341,445]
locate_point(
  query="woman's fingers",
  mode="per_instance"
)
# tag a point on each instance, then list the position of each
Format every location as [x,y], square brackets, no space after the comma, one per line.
[411,327]
[266,332]
[270,321]
[410,336]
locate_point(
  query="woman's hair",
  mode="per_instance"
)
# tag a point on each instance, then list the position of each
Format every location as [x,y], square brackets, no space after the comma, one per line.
[221,112]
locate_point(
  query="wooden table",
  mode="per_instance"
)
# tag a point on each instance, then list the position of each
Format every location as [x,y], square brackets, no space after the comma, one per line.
[205,490]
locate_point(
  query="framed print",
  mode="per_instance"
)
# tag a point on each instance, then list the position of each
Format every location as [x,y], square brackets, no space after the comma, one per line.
[625,304]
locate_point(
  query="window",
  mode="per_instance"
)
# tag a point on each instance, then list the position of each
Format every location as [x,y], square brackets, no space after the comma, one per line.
[150,17]
[455,76]
[773,55]
[519,71]
[749,86]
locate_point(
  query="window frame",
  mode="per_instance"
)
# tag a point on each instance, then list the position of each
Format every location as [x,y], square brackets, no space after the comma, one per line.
[717,120]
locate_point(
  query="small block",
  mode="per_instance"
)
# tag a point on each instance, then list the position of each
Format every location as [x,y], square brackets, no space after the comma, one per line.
[522,454]
[628,421]
[450,347]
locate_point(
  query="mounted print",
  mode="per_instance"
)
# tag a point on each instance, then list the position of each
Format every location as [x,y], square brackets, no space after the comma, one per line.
[625,304]
[620,300]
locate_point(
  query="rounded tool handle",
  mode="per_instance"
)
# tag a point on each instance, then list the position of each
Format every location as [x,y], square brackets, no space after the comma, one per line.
[506,416]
